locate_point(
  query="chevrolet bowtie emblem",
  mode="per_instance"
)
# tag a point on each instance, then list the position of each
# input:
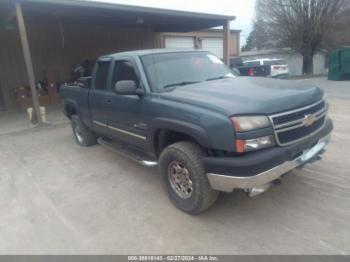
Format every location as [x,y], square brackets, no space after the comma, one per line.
[309,120]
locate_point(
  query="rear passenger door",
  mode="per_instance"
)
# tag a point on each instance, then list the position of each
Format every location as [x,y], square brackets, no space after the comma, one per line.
[98,95]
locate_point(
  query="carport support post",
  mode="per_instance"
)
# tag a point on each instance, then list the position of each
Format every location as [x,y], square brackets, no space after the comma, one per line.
[226,43]
[28,61]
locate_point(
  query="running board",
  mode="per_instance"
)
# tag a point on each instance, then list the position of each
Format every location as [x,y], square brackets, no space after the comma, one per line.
[128,152]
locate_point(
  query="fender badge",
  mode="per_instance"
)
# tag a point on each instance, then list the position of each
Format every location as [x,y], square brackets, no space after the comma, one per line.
[309,120]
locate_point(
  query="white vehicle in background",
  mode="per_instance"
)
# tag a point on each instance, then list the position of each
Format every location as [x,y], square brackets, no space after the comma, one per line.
[279,67]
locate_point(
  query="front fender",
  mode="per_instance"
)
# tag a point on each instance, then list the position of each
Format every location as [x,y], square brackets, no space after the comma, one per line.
[198,133]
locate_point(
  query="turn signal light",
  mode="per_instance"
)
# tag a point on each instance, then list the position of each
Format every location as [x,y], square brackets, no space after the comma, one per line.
[253,144]
[240,145]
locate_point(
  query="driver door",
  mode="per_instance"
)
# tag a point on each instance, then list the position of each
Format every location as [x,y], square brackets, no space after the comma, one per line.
[127,114]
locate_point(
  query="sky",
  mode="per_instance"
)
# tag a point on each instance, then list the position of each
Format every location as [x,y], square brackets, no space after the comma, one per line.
[242,9]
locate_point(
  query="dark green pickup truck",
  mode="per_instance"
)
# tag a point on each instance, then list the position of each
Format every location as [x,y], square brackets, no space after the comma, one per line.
[207,130]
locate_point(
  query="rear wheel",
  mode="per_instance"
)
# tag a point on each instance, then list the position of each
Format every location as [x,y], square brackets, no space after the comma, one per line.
[184,177]
[83,136]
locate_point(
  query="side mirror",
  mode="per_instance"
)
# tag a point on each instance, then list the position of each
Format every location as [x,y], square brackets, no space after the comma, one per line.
[84,82]
[127,87]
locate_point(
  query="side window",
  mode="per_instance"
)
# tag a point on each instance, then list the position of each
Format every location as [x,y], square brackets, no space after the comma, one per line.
[102,75]
[123,70]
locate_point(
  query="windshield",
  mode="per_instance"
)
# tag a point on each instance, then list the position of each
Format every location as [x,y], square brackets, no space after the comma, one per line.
[178,69]
[275,62]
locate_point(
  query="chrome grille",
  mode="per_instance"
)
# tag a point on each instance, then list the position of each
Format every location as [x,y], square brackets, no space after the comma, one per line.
[298,124]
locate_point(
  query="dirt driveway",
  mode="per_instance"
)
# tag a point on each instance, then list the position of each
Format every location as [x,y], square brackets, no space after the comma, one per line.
[59,198]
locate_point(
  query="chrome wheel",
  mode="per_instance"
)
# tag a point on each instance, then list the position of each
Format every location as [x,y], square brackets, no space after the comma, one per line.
[180,180]
[79,135]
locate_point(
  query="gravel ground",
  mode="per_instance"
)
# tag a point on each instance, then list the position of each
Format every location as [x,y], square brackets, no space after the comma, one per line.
[59,198]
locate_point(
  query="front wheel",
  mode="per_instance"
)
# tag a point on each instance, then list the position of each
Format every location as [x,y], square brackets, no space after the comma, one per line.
[184,177]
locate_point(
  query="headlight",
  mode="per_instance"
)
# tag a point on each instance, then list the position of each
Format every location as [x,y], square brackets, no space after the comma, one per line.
[247,123]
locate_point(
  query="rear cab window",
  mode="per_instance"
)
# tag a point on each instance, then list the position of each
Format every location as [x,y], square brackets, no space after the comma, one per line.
[101,77]
[252,63]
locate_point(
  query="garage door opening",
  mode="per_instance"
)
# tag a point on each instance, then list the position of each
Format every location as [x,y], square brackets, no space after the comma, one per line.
[179,42]
[214,45]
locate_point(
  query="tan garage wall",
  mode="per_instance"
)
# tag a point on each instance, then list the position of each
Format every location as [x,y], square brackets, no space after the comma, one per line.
[56,47]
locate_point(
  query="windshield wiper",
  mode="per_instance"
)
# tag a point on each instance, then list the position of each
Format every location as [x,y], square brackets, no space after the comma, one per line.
[216,78]
[181,84]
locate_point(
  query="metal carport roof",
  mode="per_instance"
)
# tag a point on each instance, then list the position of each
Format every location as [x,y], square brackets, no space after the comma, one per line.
[121,15]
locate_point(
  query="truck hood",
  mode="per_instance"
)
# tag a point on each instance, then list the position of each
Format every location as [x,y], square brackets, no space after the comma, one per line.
[246,95]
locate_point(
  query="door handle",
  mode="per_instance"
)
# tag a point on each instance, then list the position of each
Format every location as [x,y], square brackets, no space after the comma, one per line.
[108,101]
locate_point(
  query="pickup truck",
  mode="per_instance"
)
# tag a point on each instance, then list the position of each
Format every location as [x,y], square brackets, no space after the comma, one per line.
[256,70]
[264,67]
[206,130]
[274,67]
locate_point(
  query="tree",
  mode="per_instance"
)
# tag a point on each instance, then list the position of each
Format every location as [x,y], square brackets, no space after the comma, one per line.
[302,25]
[340,31]
[249,45]
[258,37]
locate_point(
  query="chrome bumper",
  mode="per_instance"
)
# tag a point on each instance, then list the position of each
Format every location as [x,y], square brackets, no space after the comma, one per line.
[228,183]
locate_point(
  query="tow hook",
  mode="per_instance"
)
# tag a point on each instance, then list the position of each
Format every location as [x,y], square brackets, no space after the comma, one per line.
[255,191]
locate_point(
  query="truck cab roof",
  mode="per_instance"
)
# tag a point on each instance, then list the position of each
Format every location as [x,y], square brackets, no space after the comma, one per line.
[149,52]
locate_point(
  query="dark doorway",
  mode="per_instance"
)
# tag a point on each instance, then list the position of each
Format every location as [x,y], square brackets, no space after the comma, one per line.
[2,102]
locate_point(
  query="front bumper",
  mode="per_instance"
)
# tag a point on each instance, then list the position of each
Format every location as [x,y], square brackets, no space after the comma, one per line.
[261,168]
